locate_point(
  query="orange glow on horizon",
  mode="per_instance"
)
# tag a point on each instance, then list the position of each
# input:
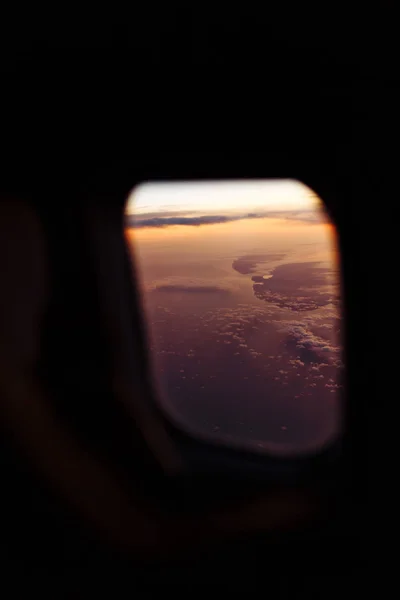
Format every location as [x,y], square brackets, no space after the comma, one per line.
[281,229]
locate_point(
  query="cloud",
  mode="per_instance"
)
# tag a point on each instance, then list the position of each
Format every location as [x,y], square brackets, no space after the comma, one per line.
[297,286]
[248,264]
[132,219]
[192,218]
[304,216]
[296,363]
[190,289]
[190,285]
[310,348]
[194,221]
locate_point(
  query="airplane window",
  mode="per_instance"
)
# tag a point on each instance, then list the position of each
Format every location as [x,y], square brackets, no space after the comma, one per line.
[240,284]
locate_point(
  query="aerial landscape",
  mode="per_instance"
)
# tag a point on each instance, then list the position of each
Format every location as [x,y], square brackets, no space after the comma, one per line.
[240,284]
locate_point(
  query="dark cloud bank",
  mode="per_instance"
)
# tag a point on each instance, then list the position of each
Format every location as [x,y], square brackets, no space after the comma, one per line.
[293,286]
[166,219]
[194,221]
[191,289]
[248,264]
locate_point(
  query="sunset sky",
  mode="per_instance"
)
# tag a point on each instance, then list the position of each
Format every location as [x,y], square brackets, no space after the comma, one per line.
[240,285]
[230,197]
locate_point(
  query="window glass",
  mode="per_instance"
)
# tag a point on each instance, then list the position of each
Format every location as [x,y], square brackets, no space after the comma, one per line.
[240,284]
